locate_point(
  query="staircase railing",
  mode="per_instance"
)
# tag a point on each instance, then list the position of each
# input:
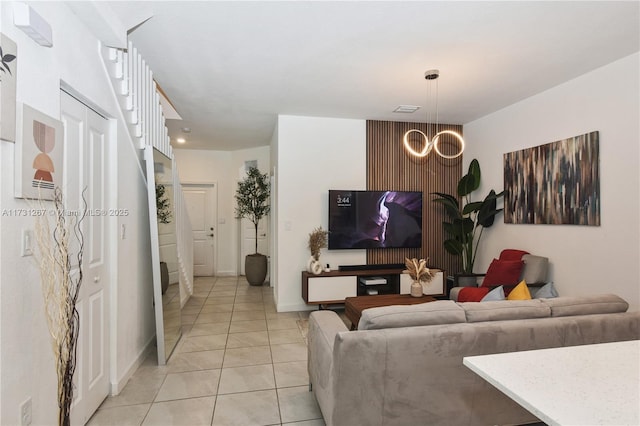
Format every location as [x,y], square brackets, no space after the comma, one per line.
[139,100]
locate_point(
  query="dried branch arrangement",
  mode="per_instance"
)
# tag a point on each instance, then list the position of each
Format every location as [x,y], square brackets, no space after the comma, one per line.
[317,241]
[60,289]
[418,270]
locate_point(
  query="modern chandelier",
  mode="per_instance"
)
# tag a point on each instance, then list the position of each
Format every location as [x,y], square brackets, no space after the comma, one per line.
[432,80]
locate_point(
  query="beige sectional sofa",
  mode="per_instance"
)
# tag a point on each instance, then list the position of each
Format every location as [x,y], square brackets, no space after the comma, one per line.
[403,366]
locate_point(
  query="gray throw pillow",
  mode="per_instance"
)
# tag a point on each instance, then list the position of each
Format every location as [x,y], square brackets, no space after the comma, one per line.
[535,269]
[547,291]
[495,294]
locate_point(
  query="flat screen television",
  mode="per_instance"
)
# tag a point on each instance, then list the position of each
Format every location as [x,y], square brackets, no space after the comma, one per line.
[375,219]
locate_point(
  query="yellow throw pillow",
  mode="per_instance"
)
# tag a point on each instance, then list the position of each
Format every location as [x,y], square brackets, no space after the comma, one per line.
[520,292]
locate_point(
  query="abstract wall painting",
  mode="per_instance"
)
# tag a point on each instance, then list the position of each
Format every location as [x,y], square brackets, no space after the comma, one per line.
[555,183]
[8,75]
[39,154]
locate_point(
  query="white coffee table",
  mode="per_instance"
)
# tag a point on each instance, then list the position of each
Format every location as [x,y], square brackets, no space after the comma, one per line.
[577,385]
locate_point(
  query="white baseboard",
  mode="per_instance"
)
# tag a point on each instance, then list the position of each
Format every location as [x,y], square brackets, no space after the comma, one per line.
[296,307]
[119,384]
[226,274]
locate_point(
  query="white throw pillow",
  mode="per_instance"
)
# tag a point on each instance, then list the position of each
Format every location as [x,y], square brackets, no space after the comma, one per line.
[547,291]
[495,294]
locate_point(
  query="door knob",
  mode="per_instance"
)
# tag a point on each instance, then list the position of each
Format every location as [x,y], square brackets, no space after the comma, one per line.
[211,235]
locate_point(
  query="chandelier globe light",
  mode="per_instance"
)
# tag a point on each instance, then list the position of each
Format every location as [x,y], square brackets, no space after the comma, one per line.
[432,80]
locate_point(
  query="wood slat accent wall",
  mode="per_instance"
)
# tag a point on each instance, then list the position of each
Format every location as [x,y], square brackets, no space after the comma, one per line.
[390,167]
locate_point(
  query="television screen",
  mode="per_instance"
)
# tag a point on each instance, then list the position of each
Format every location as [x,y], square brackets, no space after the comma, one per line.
[375,219]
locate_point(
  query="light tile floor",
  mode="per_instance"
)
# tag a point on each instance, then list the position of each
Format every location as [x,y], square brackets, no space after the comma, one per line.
[239,362]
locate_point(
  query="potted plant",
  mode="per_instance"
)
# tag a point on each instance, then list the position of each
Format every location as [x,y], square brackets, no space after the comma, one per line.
[252,197]
[163,210]
[163,204]
[468,218]
[419,273]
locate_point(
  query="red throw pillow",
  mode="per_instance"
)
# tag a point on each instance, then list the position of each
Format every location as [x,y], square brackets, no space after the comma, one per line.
[503,272]
[472,294]
[512,254]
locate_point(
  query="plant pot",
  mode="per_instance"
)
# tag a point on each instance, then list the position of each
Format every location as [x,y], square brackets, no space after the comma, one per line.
[466,280]
[416,289]
[164,277]
[255,268]
[314,266]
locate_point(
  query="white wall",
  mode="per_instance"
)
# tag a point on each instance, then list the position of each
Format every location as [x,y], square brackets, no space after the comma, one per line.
[222,168]
[313,156]
[585,260]
[133,318]
[26,360]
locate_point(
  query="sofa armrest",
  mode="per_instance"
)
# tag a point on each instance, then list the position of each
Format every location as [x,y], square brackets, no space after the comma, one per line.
[454,292]
[324,326]
[461,281]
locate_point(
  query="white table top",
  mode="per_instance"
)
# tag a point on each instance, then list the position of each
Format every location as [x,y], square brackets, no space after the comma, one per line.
[577,385]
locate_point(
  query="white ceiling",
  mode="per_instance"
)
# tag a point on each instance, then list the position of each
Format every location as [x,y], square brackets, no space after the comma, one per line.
[231,67]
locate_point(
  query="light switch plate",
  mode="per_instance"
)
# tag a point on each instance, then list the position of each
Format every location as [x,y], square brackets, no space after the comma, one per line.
[27,243]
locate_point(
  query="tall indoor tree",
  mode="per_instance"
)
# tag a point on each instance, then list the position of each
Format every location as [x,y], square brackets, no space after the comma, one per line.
[252,197]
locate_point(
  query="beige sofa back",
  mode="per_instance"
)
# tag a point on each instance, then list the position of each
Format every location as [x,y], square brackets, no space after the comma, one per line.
[450,312]
[414,375]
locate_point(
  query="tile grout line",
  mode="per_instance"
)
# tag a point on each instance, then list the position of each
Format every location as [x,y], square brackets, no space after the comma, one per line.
[257,299]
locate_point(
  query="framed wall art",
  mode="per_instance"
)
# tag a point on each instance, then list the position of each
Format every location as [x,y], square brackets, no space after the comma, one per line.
[39,154]
[8,77]
[555,183]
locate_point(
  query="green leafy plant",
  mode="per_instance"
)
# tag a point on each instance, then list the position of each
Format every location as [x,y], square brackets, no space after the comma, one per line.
[4,61]
[468,218]
[252,197]
[163,204]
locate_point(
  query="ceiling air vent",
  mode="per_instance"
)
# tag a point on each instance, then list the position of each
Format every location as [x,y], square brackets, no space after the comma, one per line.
[406,109]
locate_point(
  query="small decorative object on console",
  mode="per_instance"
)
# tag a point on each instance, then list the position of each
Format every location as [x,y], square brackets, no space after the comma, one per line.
[419,272]
[317,241]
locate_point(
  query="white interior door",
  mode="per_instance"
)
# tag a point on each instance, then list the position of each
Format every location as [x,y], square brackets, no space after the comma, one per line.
[85,169]
[201,206]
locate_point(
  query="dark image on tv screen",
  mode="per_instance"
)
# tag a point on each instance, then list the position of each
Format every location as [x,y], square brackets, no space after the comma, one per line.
[375,219]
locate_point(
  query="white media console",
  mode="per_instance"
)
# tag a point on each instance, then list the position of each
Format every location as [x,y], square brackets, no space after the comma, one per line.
[335,286]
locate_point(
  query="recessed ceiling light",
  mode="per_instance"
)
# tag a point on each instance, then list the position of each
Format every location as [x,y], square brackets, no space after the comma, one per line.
[186,129]
[406,109]
[181,140]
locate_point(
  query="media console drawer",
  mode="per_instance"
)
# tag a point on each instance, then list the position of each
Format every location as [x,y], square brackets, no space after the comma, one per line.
[326,289]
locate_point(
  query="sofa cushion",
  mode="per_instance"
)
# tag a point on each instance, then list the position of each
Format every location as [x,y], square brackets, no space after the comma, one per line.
[535,268]
[503,272]
[502,310]
[512,254]
[547,291]
[520,292]
[472,294]
[585,305]
[431,313]
[495,294]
